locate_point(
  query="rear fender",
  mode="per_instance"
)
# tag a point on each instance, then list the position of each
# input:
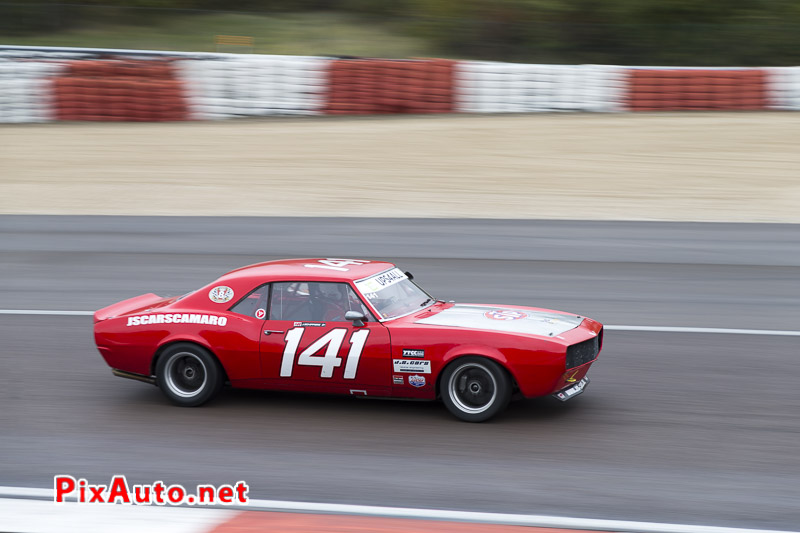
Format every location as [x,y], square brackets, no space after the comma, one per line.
[169,341]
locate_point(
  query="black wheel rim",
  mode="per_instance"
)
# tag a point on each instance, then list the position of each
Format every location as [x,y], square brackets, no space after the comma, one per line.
[186,374]
[473,388]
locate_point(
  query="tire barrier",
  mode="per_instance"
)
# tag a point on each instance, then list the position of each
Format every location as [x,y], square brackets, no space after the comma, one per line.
[25,91]
[377,86]
[119,90]
[697,90]
[784,88]
[106,85]
[486,87]
[232,85]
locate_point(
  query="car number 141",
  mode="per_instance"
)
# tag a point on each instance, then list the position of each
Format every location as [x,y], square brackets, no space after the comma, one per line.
[330,360]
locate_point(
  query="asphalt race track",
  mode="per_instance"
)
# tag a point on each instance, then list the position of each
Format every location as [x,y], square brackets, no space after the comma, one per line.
[675,427]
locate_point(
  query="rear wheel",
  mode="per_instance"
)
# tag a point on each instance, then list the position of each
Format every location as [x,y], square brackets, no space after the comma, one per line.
[475,389]
[188,374]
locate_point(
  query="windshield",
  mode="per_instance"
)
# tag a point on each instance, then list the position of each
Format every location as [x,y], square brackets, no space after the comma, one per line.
[392,294]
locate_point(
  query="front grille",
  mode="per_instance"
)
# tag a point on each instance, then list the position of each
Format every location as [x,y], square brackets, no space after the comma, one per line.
[583,352]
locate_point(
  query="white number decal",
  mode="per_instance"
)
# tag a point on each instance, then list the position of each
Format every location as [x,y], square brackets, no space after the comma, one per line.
[357,341]
[337,264]
[330,360]
[292,342]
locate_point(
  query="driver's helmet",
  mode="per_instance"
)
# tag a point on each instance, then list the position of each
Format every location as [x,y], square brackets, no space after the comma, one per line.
[326,291]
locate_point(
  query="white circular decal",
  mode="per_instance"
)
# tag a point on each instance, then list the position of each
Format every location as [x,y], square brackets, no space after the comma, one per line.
[505,314]
[221,294]
[260,313]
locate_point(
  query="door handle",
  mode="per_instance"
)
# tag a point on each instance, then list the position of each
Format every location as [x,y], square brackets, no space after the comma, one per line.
[269,331]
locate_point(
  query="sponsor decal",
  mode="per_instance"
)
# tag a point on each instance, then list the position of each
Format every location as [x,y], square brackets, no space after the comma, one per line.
[389,278]
[413,353]
[397,380]
[416,381]
[381,281]
[309,324]
[505,314]
[261,313]
[221,294]
[177,318]
[412,366]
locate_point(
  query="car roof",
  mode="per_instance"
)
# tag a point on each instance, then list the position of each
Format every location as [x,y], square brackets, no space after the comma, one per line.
[309,269]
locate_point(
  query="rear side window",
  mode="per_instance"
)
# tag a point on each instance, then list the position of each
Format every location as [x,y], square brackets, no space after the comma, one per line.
[254,304]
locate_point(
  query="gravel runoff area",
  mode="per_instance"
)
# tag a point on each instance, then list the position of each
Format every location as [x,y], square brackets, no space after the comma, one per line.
[671,166]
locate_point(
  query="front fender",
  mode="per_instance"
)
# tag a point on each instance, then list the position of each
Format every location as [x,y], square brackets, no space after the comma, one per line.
[477,350]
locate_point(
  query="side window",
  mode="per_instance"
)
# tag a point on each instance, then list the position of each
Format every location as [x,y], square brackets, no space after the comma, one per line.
[254,304]
[290,301]
[313,301]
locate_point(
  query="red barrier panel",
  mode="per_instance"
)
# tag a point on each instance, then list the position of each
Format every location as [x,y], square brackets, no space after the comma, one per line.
[696,89]
[114,90]
[378,86]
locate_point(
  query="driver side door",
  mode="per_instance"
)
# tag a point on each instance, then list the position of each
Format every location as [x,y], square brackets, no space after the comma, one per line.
[307,345]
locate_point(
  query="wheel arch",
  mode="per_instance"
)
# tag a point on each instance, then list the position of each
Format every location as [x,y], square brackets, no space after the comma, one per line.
[497,358]
[171,342]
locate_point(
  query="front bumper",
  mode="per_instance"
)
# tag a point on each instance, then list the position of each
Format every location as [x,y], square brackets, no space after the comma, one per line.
[573,390]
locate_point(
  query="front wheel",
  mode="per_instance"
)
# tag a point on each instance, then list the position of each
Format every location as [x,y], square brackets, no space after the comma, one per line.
[475,389]
[188,374]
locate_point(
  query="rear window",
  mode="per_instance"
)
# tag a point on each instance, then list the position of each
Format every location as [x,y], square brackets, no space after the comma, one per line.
[254,304]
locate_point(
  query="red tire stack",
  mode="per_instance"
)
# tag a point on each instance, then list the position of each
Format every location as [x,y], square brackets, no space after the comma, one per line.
[380,86]
[696,89]
[119,90]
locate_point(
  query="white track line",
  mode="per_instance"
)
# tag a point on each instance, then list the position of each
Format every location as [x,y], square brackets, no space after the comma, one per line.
[41,516]
[728,331]
[496,518]
[666,329]
[26,492]
[457,516]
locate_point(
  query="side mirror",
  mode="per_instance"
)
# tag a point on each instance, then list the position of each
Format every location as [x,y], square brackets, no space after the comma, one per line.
[356,317]
[410,275]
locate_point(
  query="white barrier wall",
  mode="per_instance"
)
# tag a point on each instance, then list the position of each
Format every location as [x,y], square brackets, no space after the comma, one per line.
[26,91]
[487,87]
[783,86]
[254,85]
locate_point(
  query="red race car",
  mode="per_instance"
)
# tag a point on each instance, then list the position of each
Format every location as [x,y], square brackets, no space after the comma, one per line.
[345,326]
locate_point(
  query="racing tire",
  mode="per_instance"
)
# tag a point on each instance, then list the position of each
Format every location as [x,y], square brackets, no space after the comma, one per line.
[188,374]
[475,389]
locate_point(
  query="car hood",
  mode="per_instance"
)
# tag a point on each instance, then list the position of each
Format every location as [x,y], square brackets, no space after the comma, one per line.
[506,319]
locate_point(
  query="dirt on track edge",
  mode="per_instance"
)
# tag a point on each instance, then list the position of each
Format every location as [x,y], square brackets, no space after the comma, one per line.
[740,167]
